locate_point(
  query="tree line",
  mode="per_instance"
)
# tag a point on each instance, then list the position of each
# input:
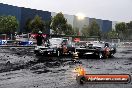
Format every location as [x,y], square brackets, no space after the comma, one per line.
[59,25]
[122,30]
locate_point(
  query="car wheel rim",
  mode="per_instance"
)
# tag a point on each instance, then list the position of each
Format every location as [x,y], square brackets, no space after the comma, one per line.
[58,53]
[100,55]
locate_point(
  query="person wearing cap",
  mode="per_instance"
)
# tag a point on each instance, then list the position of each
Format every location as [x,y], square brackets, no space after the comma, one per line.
[39,38]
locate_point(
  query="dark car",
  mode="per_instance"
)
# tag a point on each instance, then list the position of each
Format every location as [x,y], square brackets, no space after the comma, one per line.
[99,50]
[56,47]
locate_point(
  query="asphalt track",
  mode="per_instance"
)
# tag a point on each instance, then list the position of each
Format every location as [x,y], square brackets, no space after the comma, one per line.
[20,68]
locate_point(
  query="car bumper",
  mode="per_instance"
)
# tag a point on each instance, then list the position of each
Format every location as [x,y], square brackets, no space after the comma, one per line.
[45,51]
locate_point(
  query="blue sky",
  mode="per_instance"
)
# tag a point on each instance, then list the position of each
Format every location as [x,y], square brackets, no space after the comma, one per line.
[115,10]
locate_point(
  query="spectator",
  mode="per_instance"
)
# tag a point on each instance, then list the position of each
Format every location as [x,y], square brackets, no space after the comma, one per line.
[39,38]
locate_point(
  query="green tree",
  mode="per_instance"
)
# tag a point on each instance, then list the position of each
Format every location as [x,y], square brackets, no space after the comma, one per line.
[112,34]
[59,24]
[85,31]
[47,25]
[104,36]
[69,30]
[27,26]
[129,29]
[121,29]
[37,24]
[76,31]
[8,24]
[129,25]
[94,29]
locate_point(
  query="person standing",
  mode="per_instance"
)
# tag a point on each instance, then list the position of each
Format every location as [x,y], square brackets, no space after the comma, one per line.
[39,38]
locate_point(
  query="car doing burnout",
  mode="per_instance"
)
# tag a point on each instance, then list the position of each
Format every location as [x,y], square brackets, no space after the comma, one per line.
[56,47]
[100,50]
